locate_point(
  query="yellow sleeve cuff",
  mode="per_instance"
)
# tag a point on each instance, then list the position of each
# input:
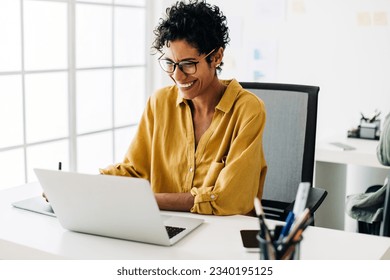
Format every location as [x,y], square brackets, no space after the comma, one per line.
[203,199]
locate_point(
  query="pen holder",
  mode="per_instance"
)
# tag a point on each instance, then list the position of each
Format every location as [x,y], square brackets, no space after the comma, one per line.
[278,250]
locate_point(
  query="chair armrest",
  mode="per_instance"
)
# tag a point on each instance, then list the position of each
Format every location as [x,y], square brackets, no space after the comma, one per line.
[277,210]
[315,199]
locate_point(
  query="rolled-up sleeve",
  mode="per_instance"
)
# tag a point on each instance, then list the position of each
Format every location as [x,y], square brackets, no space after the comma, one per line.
[231,185]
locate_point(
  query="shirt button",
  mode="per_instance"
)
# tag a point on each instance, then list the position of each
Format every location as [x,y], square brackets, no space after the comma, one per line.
[212,197]
[191,169]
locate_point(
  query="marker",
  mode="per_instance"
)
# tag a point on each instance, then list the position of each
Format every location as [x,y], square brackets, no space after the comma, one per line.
[301,198]
[59,165]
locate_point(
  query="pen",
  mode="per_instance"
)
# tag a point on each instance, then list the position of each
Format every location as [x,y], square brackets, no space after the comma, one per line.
[374,117]
[298,233]
[59,168]
[289,221]
[288,253]
[292,245]
[261,216]
[300,224]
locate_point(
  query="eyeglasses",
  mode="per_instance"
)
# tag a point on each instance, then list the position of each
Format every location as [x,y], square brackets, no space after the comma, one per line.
[187,67]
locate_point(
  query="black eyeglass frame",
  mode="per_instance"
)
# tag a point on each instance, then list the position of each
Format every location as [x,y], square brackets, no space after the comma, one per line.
[181,63]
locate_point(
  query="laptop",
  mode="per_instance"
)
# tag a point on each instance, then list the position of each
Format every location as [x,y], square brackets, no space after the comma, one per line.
[111,206]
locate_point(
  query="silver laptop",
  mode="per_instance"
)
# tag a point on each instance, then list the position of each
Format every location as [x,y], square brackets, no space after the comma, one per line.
[112,206]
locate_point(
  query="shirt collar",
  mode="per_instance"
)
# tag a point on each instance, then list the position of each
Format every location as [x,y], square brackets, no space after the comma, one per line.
[179,98]
[227,100]
[229,96]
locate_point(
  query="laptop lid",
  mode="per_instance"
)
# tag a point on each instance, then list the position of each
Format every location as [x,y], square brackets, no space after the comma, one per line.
[111,206]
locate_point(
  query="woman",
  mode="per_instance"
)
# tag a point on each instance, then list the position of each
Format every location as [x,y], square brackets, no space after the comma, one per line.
[199,142]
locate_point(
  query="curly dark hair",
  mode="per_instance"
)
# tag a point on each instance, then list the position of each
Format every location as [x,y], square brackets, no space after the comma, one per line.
[203,26]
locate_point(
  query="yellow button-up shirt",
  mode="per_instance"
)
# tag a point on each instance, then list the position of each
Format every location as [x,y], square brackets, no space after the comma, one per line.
[224,172]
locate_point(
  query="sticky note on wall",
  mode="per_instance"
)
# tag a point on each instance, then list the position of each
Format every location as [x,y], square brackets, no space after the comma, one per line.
[372,18]
[379,18]
[363,19]
[298,7]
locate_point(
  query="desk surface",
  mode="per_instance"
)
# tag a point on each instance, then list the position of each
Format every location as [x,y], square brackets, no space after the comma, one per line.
[364,153]
[27,235]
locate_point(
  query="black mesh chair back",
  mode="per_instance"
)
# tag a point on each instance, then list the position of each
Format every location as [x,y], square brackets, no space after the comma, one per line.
[289,144]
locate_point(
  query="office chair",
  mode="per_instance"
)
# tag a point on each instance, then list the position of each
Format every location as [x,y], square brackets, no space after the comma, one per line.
[289,145]
[381,228]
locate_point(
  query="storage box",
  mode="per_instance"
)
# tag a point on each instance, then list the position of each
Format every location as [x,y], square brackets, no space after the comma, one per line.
[369,130]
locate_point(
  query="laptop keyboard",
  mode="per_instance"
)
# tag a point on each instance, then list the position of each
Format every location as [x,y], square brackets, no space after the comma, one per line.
[172,231]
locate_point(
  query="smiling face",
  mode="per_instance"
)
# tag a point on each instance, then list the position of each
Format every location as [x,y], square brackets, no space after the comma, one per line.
[200,83]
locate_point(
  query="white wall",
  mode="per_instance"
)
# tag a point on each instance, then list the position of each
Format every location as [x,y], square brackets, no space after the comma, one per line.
[343,46]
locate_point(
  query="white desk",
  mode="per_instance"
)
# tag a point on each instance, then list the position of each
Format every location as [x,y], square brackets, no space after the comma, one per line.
[342,173]
[364,154]
[27,235]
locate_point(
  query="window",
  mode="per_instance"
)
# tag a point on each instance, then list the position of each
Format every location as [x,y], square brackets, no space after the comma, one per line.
[72,83]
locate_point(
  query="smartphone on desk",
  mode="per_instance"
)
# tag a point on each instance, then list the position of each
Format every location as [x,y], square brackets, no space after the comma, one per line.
[249,240]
